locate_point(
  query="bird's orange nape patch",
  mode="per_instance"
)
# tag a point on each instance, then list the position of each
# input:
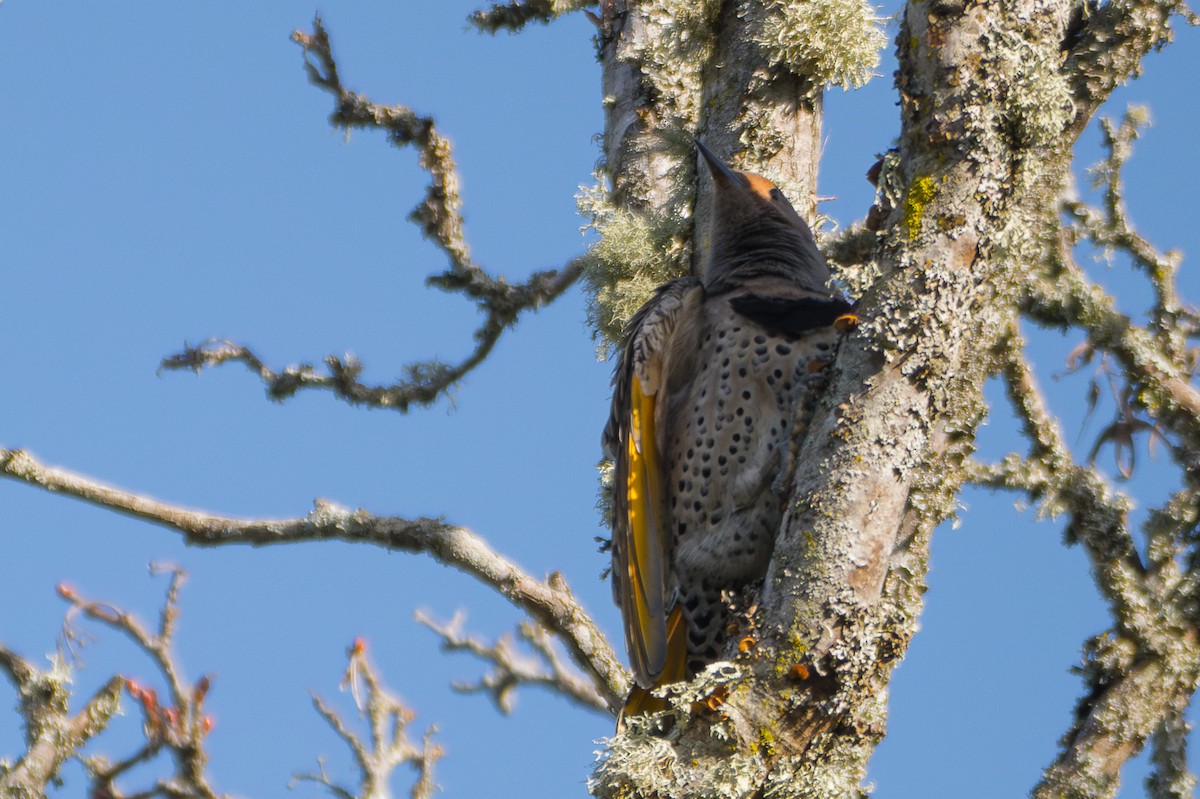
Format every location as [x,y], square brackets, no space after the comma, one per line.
[845,323]
[760,185]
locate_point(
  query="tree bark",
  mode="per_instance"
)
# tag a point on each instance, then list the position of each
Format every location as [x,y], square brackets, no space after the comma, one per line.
[967,203]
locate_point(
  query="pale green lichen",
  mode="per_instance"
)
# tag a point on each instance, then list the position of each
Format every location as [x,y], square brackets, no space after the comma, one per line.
[836,773]
[635,254]
[671,55]
[650,756]
[1039,106]
[606,470]
[44,699]
[830,42]
[646,767]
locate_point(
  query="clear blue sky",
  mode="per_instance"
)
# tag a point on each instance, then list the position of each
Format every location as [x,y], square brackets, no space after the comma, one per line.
[167,174]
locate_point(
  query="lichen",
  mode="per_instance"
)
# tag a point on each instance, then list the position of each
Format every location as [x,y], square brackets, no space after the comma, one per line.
[671,55]
[766,741]
[829,42]
[652,757]
[635,254]
[605,469]
[920,195]
[836,772]
[1039,104]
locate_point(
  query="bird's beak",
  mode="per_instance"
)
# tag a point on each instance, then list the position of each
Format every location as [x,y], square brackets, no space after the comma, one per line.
[720,171]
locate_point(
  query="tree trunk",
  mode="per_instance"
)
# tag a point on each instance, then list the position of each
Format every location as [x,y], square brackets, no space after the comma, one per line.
[990,106]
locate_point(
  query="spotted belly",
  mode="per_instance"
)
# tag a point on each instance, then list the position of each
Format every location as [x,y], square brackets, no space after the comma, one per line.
[728,452]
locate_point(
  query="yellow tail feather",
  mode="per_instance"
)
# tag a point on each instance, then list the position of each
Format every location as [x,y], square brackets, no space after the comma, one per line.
[641,701]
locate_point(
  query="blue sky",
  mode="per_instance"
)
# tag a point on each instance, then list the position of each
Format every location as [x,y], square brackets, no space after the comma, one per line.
[169,175]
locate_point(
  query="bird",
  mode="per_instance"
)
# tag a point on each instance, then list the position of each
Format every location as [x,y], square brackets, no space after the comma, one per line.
[713,382]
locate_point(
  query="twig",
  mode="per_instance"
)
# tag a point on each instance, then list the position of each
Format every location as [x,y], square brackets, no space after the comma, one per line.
[1158,364]
[1111,230]
[440,218]
[1098,519]
[1168,394]
[511,668]
[389,745]
[549,601]
[179,724]
[321,778]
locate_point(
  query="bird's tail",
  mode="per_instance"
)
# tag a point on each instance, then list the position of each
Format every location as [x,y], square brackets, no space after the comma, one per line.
[640,700]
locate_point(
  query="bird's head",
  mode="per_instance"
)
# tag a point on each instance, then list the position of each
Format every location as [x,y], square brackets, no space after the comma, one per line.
[756,231]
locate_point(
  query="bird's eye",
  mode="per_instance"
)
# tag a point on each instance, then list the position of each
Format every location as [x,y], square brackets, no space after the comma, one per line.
[776,194]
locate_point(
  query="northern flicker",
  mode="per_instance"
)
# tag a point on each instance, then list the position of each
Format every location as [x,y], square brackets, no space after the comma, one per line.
[714,377]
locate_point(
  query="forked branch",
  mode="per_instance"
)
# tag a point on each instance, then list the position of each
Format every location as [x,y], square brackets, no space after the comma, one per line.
[386,745]
[53,734]
[176,724]
[512,668]
[440,218]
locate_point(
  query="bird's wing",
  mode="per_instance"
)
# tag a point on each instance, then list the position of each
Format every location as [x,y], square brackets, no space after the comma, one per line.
[643,583]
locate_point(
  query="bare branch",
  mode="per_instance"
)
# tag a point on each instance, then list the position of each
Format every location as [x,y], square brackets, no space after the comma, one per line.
[549,601]
[439,215]
[157,646]
[511,668]
[52,734]
[178,725]
[1098,518]
[440,218]
[389,745]
[1069,295]
[1148,668]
